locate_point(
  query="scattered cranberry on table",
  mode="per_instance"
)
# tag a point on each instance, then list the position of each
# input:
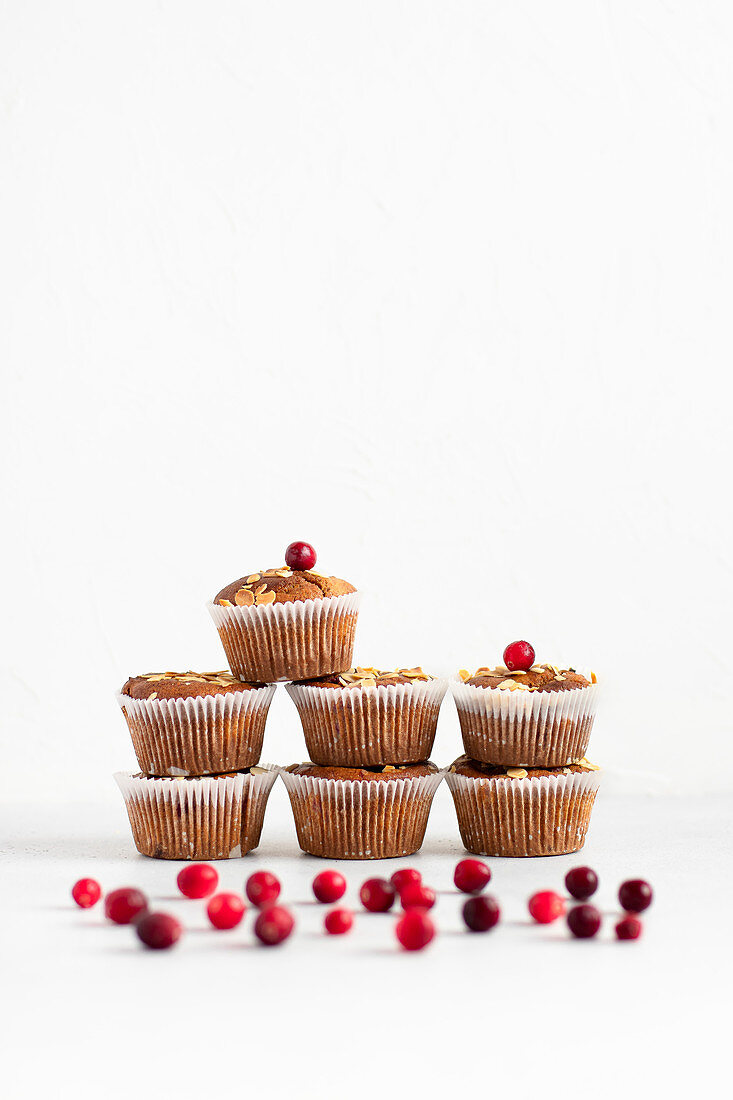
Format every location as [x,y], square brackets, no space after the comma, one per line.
[300,555]
[377,895]
[262,888]
[546,906]
[628,928]
[198,880]
[86,892]
[405,875]
[471,875]
[635,895]
[416,895]
[581,883]
[481,913]
[519,656]
[123,906]
[329,886]
[158,930]
[338,921]
[225,910]
[273,925]
[415,929]
[584,921]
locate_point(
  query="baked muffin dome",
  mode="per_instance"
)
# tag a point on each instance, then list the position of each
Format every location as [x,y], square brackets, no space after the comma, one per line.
[282,585]
[182,685]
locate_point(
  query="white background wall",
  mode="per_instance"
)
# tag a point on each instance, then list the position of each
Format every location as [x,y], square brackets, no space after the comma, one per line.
[443,288]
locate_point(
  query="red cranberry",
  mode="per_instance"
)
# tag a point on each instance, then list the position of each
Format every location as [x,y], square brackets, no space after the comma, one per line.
[225,910]
[546,906]
[481,913]
[628,928]
[158,930]
[401,878]
[197,880]
[581,883]
[377,895]
[273,925]
[329,886]
[415,929]
[86,892]
[518,656]
[124,905]
[635,895]
[338,921]
[262,888]
[584,921]
[300,555]
[416,895]
[471,875]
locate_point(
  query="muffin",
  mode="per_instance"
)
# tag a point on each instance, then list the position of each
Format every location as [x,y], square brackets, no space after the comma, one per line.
[367,716]
[541,717]
[286,624]
[522,811]
[361,813]
[214,817]
[195,723]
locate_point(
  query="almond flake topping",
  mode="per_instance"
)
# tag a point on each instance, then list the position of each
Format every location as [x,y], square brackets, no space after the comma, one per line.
[585,763]
[593,678]
[512,685]
[252,578]
[464,674]
[265,597]
[225,603]
[153,696]
[517,773]
[244,598]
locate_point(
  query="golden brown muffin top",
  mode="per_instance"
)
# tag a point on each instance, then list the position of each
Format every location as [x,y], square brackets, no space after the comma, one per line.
[183,685]
[537,678]
[282,585]
[370,677]
[464,765]
[378,773]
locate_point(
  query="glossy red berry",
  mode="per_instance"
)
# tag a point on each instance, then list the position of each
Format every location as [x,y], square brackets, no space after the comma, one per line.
[198,880]
[481,913]
[300,555]
[471,875]
[635,895]
[86,892]
[581,883]
[405,875]
[628,928]
[546,906]
[338,921]
[262,888]
[158,930]
[123,906]
[415,929]
[329,886]
[416,895]
[377,895]
[273,925]
[225,910]
[518,656]
[584,921]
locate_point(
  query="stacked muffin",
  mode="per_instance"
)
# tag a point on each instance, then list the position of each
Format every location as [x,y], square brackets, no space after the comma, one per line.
[524,786]
[367,790]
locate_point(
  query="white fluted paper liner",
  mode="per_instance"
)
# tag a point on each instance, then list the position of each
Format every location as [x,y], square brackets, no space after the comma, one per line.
[204,735]
[361,819]
[358,726]
[297,640]
[536,729]
[214,817]
[542,816]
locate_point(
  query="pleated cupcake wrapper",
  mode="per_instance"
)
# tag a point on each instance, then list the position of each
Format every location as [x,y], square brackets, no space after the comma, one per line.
[361,819]
[544,816]
[215,817]
[200,736]
[538,729]
[298,640]
[353,727]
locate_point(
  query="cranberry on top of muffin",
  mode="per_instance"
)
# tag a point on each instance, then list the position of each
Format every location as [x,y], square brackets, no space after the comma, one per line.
[536,678]
[370,677]
[376,773]
[474,769]
[183,685]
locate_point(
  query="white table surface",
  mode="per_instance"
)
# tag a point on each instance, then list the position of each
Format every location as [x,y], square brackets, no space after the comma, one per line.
[524,1008]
